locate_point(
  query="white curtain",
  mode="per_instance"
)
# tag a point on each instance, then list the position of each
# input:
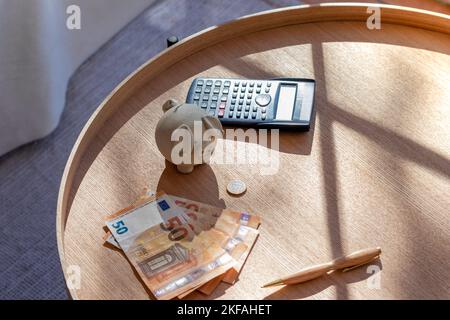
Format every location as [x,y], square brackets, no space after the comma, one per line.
[38,54]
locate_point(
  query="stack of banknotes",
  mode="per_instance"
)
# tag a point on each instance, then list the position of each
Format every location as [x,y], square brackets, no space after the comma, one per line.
[178,245]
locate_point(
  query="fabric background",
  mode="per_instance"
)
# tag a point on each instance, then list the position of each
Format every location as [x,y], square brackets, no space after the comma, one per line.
[38,54]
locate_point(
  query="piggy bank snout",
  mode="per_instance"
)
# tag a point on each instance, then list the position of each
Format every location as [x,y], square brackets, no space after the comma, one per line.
[186,136]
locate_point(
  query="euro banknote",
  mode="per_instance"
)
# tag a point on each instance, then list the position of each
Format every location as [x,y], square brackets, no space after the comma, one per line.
[160,247]
[251,221]
[239,229]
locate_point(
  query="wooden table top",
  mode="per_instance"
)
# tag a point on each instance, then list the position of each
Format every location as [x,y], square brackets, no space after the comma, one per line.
[373,171]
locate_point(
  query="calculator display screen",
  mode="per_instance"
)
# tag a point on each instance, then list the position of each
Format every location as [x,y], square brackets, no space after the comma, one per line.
[286,102]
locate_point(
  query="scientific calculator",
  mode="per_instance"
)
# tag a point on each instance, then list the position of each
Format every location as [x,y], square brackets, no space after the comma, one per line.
[284,103]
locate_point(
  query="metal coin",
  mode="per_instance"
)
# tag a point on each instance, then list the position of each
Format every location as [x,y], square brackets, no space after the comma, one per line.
[236,187]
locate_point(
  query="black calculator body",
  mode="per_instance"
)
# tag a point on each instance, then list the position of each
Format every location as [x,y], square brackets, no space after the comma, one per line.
[285,103]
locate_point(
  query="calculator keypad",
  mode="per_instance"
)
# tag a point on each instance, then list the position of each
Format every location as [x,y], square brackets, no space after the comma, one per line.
[234,99]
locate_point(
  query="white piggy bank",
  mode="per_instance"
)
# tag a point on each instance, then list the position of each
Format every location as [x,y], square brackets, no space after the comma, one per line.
[186,135]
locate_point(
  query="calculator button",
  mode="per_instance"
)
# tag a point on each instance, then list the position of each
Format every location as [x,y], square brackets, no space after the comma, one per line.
[232,107]
[224,98]
[209,82]
[245,115]
[213,105]
[230,114]
[196,97]
[216,90]
[238,114]
[212,112]
[242,95]
[263,99]
[207,90]
[263,117]
[225,91]
[200,82]
[214,97]
[258,90]
[204,105]
[255,108]
[234,95]
[249,96]
[269,84]
[250,90]
[259,84]
[235,89]
[198,89]
[205,97]
[218,83]
[243,89]
[248,102]
[267,90]
[233,101]
[221,113]
[244,83]
[241,101]
[252,84]
[254,115]
[263,110]
[239,108]
[247,108]
[222,105]
[236,83]
[227,83]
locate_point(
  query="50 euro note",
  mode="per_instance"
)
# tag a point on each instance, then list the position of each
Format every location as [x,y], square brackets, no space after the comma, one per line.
[168,262]
[239,248]
[247,234]
[171,214]
[242,218]
[239,226]
[200,216]
[209,213]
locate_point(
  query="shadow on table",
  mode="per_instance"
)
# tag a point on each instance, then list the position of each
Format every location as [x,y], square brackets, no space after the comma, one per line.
[310,288]
[200,185]
[294,142]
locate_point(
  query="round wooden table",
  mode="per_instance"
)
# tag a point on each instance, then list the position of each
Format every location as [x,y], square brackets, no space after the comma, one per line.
[374,170]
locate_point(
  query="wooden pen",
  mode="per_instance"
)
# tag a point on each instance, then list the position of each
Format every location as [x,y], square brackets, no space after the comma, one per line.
[347,263]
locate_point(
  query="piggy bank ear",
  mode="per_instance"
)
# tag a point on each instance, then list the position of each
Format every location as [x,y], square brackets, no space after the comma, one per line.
[169,104]
[211,122]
